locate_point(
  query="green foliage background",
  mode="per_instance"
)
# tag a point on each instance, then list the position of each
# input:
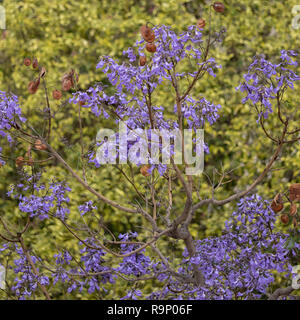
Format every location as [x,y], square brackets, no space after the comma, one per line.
[66,34]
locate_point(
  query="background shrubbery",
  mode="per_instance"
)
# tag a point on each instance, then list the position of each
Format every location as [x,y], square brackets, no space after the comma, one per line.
[74,34]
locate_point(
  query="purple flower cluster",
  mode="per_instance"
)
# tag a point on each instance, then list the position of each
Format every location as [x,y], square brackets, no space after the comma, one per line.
[197,111]
[240,263]
[10,111]
[44,201]
[86,207]
[265,80]
[136,264]
[25,282]
[135,84]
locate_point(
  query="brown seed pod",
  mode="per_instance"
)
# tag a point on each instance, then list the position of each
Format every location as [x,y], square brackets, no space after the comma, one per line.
[276,204]
[39,145]
[294,192]
[276,207]
[20,162]
[27,62]
[293,209]
[56,94]
[284,218]
[42,72]
[33,86]
[68,80]
[151,47]
[30,162]
[201,23]
[147,33]
[145,170]
[35,63]
[82,103]
[219,6]
[143,60]
[66,84]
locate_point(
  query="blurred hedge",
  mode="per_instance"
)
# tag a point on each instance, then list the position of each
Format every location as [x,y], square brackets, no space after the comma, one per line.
[73,34]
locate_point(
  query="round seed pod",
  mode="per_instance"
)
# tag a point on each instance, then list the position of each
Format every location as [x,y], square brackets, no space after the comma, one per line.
[35,63]
[276,204]
[43,72]
[20,162]
[56,94]
[201,23]
[145,170]
[66,84]
[27,62]
[295,222]
[293,209]
[147,34]
[294,192]
[151,47]
[219,6]
[284,218]
[33,86]
[39,145]
[30,162]
[143,60]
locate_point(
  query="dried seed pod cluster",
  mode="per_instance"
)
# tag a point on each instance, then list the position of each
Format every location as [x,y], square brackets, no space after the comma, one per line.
[34,84]
[68,80]
[149,36]
[292,196]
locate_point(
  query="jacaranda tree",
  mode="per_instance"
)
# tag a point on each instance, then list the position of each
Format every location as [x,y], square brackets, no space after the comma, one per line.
[242,263]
